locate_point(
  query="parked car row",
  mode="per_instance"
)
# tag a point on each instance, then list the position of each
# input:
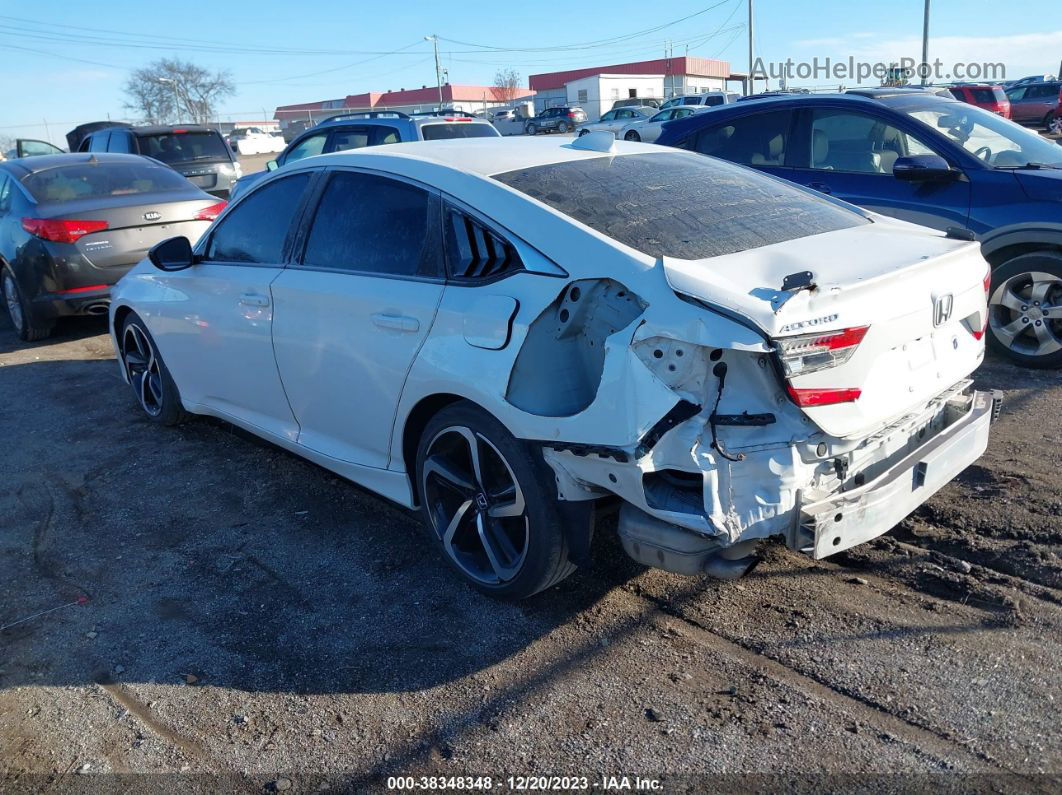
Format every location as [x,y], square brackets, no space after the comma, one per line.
[506,333]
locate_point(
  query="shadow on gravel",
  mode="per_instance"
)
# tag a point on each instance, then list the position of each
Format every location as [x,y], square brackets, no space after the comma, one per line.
[203,556]
[68,329]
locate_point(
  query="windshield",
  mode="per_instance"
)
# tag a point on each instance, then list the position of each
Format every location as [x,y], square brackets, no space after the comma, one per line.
[181,147]
[995,140]
[96,180]
[436,132]
[680,204]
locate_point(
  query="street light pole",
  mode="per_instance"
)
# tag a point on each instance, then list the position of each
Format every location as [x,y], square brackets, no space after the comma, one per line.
[176,96]
[749,86]
[925,46]
[434,39]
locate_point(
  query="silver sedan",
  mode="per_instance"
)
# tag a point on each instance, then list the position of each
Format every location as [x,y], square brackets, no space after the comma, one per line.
[648,130]
[616,119]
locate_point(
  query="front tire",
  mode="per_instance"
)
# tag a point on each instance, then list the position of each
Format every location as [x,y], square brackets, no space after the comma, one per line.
[1025,310]
[152,384]
[562,127]
[28,327]
[490,504]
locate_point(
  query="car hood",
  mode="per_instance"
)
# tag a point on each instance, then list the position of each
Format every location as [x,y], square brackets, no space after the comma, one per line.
[1041,184]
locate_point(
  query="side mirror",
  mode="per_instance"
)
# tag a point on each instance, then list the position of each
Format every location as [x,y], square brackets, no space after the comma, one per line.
[923,168]
[272,165]
[173,254]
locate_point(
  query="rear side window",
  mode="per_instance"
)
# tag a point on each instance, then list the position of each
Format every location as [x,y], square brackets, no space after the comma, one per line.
[179,147]
[984,95]
[121,142]
[95,180]
[349,139]
[759,139]
[370,224]
[256,228]
[98,143]
[437,132]
[714,101]
[678,205]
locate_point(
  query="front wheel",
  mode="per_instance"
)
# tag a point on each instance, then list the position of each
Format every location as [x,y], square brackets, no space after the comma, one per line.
[1025,310]
[562,127]
[491,506]
[152,384]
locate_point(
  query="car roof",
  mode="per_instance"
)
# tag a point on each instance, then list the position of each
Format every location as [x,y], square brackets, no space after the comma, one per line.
[23,167]
[485,156]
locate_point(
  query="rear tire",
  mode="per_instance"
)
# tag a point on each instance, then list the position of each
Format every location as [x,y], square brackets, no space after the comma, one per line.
[28,327]
[632,136]
[152,384]
[562,127]
[531,129]
[1025,310]
[1053,123]
[490,504]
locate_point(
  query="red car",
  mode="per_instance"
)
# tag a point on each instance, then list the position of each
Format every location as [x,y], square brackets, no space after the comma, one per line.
[991,98]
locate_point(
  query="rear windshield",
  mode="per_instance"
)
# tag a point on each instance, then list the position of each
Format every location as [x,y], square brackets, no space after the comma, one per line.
[182,147]
[989,95]
[96,180]
[680,205]
[436,132]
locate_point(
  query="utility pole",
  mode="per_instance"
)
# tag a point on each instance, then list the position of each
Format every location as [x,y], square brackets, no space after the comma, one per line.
[176,96]
[434,39]
[925,46]
[749,86]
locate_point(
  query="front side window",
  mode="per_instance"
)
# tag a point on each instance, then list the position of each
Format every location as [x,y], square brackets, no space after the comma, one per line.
[343,140]
[308,147]
[257,227]
[370,224]
[857,142]
[663,115]
[682,113]
[608,116]
[675,204]
[758,139]
[995,140]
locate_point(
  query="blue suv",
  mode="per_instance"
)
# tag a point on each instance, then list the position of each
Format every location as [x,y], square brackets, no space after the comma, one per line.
[371,128]
[927,159]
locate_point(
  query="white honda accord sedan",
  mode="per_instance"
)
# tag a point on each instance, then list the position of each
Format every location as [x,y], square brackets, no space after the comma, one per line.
[504,332]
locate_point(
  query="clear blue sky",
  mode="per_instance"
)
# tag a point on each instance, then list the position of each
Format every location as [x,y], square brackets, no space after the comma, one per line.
[85,83]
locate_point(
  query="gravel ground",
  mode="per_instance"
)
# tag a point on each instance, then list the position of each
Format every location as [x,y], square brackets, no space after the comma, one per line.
[222,608]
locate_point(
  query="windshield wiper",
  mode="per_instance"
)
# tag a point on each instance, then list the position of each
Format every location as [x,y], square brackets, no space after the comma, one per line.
[1029,165]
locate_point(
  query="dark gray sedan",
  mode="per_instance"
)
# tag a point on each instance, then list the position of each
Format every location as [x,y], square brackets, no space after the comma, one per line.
[71,225]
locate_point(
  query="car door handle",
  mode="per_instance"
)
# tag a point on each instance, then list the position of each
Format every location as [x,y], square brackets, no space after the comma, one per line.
[821,187]
[396,322]
[254,299]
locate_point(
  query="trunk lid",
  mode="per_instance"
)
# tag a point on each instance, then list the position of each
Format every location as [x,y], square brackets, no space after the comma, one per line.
[132,229]
[920,295]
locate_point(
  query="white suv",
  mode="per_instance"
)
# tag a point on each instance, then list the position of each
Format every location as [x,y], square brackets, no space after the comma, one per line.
[708,99]
[502,332]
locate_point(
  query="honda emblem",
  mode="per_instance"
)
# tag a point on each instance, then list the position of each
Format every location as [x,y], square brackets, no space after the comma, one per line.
[942,306]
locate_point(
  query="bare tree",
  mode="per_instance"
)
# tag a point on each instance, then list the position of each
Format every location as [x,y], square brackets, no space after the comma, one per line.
[507,85]
[177,91]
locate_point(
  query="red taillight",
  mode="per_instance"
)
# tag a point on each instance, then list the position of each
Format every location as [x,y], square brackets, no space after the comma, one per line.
[823,397]
[978,335]
[807,353]
[61,231]
[988,282]
[91,289]
[179,132]
[571,115]
[210,213]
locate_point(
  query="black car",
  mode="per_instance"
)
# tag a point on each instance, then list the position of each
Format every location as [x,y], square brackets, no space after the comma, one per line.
[197,152]
[563,119]
[71,225]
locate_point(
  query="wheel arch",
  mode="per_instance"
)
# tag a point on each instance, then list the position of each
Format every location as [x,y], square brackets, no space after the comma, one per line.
[119,315]
[1005,244]
[413,428]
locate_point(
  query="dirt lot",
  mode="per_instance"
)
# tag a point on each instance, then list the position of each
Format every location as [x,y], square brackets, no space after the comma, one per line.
[222,607]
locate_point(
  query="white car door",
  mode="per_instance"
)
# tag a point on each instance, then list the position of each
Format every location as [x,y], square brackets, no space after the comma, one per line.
[352,313]
[213,322]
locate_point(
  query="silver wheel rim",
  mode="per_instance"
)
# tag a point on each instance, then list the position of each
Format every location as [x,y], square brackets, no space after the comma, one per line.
[476,505]
[1025,313]
[143,369]
[14,308]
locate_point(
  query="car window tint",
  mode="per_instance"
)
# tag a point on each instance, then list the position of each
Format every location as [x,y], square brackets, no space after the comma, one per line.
[369,224]
[121,142]
[99,142]
[438,132]
[256,228]
[842,140]
[181,146]
[5,194]
[713,100]
[349,139]
[608,116]
[676,204]
[386,135]
[759,139]
[1016,94]
[103,179]
[308,147]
